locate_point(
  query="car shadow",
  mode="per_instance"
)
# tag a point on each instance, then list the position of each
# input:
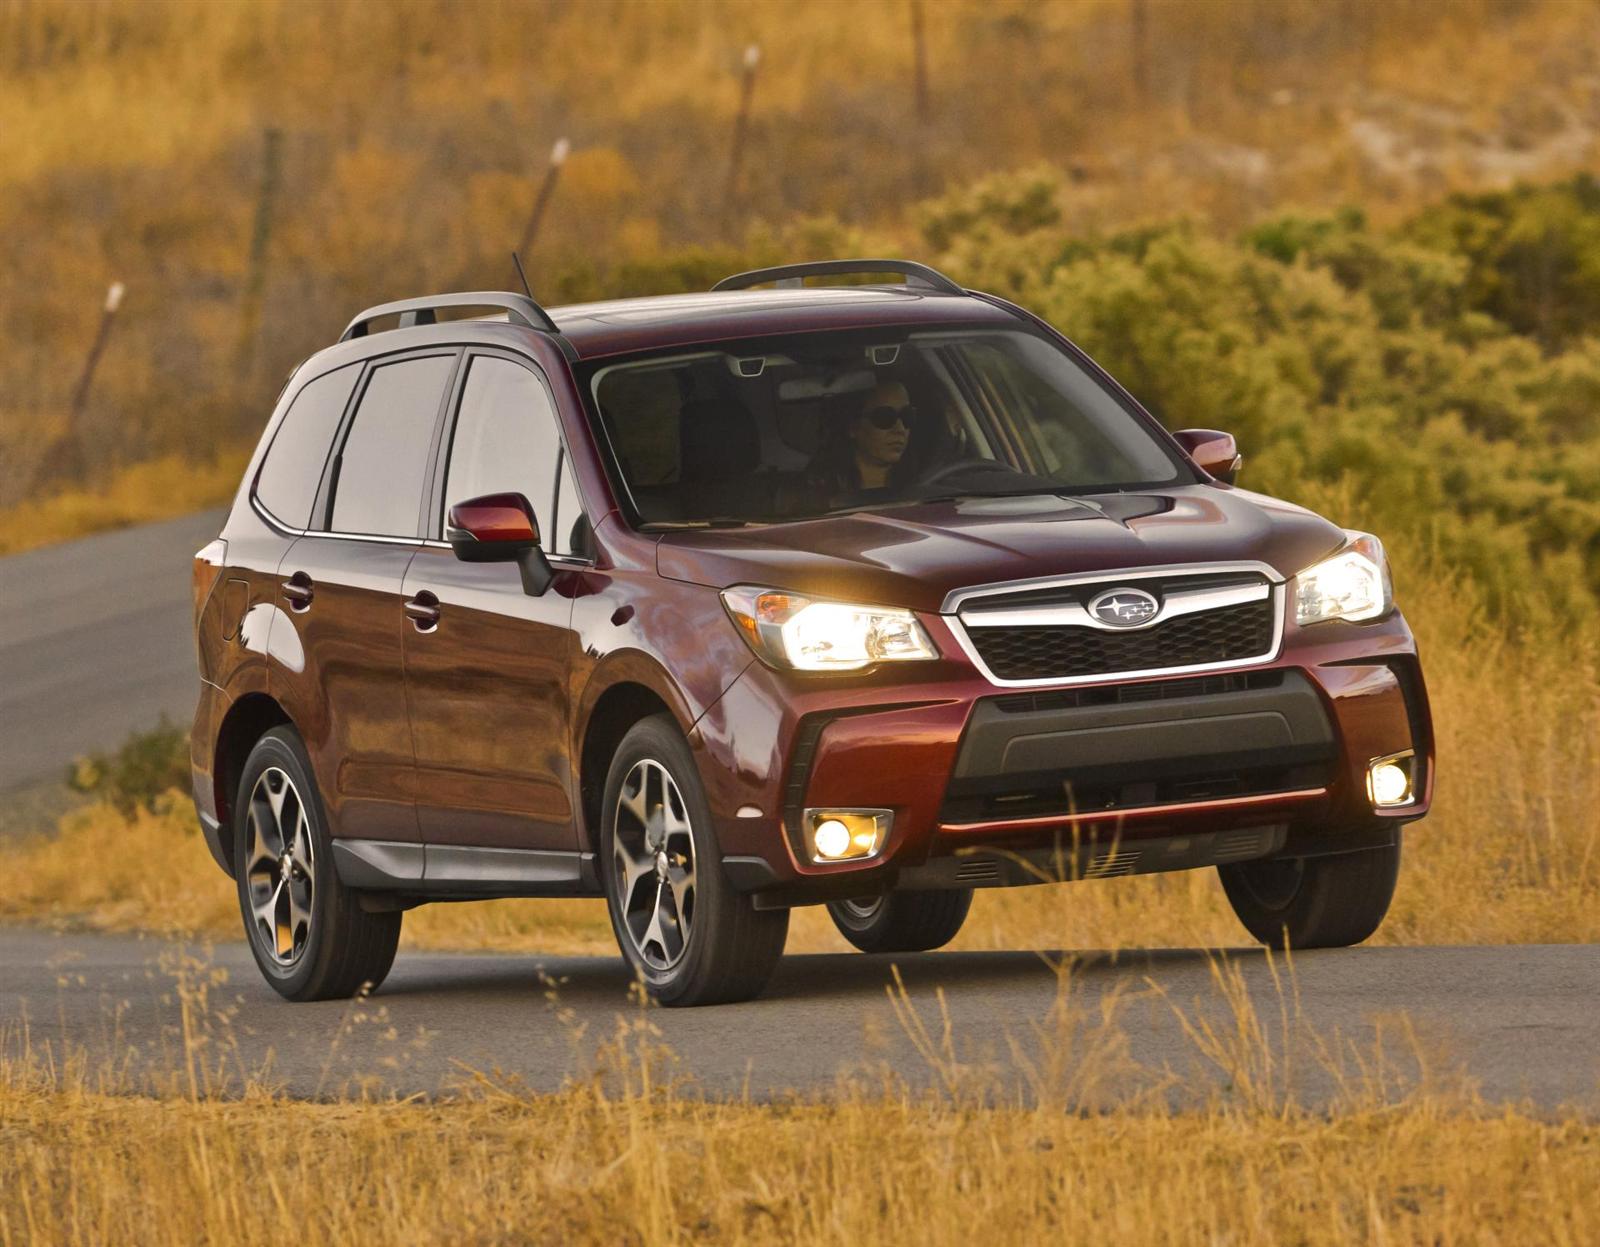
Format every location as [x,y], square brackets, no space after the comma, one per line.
[820,977]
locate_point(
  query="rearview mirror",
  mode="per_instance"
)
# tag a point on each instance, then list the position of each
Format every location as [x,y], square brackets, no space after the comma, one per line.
[500,528]
[1214,452]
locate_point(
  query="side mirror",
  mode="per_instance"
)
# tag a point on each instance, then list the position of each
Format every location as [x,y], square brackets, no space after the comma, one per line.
[500,528]
[1214,452]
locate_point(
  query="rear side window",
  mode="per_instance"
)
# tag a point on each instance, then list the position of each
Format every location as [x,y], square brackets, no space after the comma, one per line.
[292,470]
[507,441]
[378,489]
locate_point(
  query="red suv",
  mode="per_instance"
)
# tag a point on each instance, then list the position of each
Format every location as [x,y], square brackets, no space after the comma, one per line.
[777,595]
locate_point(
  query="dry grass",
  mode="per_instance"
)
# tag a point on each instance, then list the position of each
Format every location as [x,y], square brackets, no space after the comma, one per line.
[631,1154]
[159,489]
[85,1168]
[134,142]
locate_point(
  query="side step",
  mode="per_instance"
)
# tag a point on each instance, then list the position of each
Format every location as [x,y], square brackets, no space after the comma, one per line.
[447,871]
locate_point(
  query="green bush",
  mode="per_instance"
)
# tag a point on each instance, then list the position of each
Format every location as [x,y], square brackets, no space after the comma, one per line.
[147,766]
[1432,376]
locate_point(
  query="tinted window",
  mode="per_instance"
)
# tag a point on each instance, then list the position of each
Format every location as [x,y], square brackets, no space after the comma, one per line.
[385,456]
[506,441]
[293,467]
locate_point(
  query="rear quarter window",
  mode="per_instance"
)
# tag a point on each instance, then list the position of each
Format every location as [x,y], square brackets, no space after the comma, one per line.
[382,466]
[292,470]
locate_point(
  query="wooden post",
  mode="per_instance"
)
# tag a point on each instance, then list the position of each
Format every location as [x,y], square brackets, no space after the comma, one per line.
[80,396]
[919,54]
[256,275]
[547,188]
[64,462]
[1139,22]
[741,123]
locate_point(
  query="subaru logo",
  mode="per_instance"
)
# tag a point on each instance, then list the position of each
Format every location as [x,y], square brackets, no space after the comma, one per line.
[1123,608]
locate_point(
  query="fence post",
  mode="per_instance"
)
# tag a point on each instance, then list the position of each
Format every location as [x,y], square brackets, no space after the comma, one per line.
[547,188]
[256,274]
[919,53]
[1139,31]
[741,123]
[64,461]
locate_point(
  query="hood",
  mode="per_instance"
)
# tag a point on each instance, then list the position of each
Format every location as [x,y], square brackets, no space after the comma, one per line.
[913,556]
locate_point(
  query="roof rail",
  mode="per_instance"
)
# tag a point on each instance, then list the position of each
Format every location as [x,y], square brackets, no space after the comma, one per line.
[794,275]
[518,308]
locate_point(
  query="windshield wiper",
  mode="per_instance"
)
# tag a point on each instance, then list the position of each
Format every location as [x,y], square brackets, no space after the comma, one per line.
[1058,491]
[719,521]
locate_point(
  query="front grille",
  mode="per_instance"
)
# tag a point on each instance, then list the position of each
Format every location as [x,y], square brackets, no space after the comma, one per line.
[1229,634]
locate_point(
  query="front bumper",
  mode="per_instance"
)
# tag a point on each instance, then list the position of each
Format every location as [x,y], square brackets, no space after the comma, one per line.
[993,786]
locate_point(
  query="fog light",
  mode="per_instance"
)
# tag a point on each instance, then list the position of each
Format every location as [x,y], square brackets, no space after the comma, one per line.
[846,835]
[832,838]
[1389,780]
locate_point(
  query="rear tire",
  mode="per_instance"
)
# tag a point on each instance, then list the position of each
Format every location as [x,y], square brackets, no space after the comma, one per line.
[307,931]
[1314,902]
[902,922]
[683,928]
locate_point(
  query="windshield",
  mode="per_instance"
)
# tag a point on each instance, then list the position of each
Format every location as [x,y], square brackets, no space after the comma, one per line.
[785,428]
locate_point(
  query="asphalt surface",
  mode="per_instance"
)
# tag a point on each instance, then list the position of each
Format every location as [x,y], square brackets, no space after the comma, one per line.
[96,642]
[1518,1024]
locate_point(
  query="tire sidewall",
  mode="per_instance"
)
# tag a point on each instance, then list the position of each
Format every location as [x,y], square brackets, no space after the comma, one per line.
[281,748]
[864,925]
[658,738]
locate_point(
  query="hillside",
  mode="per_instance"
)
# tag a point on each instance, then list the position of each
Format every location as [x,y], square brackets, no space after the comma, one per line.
[411,138]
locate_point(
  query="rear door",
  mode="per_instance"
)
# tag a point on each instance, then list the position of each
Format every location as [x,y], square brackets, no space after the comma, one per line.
[488,682]
[341,587]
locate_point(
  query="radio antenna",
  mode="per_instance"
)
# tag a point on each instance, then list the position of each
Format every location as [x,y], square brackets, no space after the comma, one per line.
[527,289]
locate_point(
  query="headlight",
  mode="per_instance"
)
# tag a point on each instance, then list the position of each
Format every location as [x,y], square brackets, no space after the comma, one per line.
[1353,584]
[787,630]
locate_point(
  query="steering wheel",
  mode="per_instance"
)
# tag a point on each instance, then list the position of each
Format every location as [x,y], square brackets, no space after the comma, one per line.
[945,471]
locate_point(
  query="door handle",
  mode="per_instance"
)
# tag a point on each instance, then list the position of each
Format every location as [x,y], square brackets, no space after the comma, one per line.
[423,611]
[299,591]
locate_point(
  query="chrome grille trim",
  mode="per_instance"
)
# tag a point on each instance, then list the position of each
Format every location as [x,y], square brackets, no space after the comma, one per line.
[1071,615]
[958,615]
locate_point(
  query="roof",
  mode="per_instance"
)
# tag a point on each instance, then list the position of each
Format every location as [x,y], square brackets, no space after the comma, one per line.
[623,326]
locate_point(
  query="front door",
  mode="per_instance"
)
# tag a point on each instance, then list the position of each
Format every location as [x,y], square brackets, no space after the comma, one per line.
[488,681]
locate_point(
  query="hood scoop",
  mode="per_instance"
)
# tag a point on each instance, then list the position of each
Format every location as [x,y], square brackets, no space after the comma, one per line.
[1025,506]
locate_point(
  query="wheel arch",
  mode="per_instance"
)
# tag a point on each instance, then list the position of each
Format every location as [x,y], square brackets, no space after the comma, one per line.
[247,720]
[612,715]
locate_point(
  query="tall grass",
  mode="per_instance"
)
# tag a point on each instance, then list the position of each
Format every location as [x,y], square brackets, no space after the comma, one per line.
[140,493]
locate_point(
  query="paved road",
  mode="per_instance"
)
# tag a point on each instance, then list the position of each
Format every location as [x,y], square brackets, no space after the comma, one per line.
[95,643]
[1523,1022]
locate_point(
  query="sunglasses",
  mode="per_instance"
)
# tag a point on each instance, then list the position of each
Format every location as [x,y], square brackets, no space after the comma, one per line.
[888,417]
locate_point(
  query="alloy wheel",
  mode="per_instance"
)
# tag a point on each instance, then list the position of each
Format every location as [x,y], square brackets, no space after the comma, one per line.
[653,864]
[280,873]
[864,908]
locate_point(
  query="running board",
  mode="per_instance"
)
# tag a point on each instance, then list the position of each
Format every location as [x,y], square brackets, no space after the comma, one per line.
[447,870]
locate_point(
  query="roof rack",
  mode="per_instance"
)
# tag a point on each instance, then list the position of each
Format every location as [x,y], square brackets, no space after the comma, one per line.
[519,308]
[792,276]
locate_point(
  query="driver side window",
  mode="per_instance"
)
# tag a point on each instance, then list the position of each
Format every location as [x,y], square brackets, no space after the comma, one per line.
[507,440]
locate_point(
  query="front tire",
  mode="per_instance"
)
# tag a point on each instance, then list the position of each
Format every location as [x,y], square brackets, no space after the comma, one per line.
[1314,902]
[308,933]
[685,931]
[902,922]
